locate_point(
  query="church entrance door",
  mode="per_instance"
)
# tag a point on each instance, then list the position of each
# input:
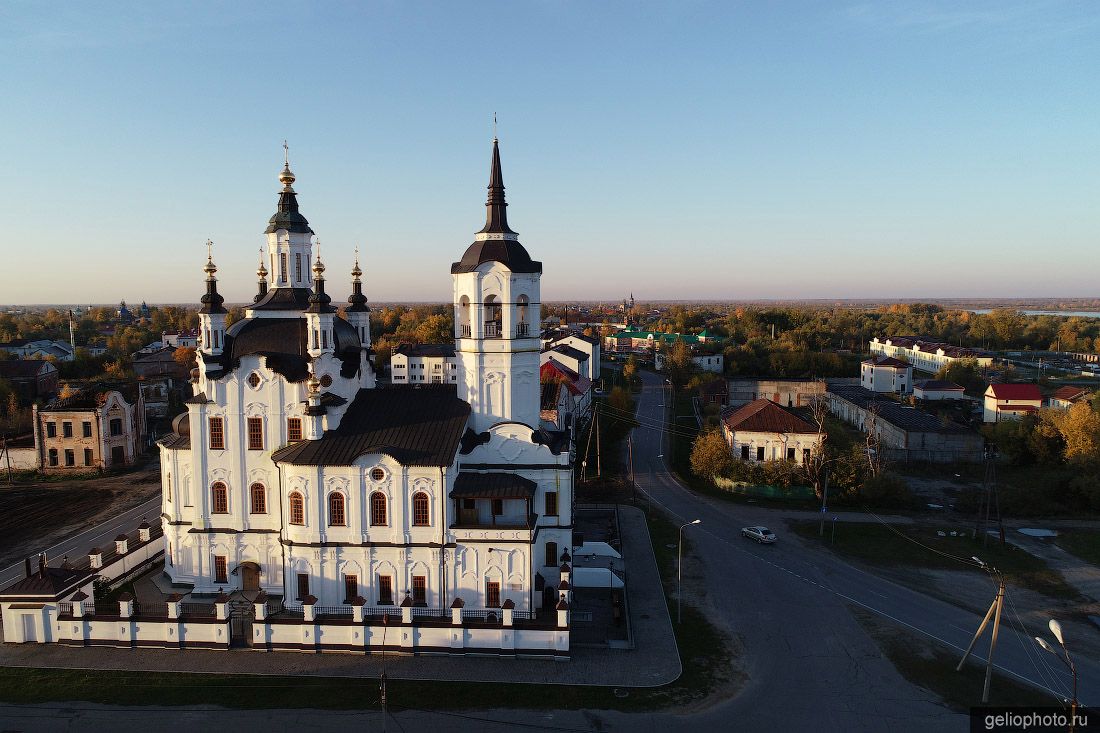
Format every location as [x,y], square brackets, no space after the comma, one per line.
[250,576]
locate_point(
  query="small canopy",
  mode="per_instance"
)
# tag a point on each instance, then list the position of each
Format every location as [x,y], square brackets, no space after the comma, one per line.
[492,486]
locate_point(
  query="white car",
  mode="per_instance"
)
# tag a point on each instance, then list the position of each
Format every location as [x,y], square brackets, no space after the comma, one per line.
[760,534]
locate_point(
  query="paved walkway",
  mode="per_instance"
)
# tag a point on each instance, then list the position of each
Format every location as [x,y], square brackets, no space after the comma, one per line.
[655,660]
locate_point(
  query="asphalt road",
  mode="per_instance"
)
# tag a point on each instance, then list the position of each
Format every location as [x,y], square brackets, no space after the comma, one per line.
[810,662]
[99,535]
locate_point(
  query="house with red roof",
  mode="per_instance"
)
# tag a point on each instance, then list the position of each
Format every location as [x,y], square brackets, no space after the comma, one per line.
[1067,396]
[1011,401]
[766,431]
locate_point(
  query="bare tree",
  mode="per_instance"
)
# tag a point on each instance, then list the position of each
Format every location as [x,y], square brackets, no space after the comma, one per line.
[875,462]
[817,464]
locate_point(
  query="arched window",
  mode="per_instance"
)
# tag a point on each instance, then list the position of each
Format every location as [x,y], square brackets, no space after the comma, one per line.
[297,509]
[336,515]
[464,317]
[522,309]
[420,509]
[219,498]
[378,509]
[492,317]
[258,494]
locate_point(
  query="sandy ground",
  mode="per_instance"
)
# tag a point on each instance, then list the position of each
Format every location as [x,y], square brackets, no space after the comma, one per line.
[36,516]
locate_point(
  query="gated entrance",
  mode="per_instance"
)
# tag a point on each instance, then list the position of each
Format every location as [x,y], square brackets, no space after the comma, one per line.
[242,613]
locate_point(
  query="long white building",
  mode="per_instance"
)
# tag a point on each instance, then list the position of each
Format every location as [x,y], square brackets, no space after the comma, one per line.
[292,473]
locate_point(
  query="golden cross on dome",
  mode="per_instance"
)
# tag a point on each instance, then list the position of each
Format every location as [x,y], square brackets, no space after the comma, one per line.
[209,249]
[286,154]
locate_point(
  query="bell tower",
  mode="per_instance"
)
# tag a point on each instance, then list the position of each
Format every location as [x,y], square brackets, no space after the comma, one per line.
[497,316]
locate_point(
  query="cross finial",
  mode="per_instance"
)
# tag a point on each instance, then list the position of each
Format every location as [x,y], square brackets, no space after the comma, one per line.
[357,255]
[209,249]
[494,127]
[318,243]
[286,154]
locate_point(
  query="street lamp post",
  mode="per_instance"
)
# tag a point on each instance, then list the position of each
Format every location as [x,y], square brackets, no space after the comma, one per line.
[679,565]
[1056,629]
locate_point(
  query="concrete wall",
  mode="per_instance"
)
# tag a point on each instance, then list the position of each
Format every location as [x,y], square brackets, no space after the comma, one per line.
[143,632]
[437,638]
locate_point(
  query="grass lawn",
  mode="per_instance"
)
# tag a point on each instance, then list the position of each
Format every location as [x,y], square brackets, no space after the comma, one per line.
[1084,543]
[927,664]
[901,545]
[703,650]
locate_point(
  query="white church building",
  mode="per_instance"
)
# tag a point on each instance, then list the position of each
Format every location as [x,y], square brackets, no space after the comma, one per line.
[292,473]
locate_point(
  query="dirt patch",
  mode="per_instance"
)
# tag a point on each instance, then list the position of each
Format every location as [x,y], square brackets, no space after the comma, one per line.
[34,517]
[1024,606]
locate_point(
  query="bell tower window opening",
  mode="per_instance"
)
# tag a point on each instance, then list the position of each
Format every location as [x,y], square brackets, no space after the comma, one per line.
[282,267]
[522,307]
[298,267]
[464,317]
[493,317]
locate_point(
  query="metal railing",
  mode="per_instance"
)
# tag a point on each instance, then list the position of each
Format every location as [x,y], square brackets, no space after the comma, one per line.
[464,330]
[522,329]
[65,608]
[332,611]
[488,615]
[531,615]
[152,610]
[197,609]
[492,330]
[103,608]
[431,612]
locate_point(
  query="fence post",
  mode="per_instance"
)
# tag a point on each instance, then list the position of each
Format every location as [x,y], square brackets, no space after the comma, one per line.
[456,611]
[563,613]
[221,606]
[78,604]
[406,610]
[175,602]
[357,604]
[307,608]
[508,609]
[260,602]
[126,605]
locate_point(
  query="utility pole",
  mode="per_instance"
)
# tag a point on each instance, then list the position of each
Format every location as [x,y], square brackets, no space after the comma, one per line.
[382,677]
[994,612]
[630,458]
[824,505]
[598,474]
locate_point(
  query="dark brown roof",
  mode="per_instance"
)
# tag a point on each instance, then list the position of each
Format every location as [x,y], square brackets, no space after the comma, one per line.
[283,299]
[414,427]
[24,368]
[567,350]
[765,416]
[284,344]
[54,581]
[470,485]
[886,361]
[938,385]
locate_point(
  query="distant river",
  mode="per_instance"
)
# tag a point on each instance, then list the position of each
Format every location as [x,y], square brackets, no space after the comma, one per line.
[1081,314]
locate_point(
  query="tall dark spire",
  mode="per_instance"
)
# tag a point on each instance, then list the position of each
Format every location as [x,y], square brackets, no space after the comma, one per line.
[357,300]
[319,300]
[212,300]
[496,209]
[287,216]
[496,242]
[261,274]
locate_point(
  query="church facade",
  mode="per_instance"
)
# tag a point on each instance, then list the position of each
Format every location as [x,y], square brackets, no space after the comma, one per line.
[293,472]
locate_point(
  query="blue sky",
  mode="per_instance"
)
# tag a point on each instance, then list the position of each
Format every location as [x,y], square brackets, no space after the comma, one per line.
[679,150]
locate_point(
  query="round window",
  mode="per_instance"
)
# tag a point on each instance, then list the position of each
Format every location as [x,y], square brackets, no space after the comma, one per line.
[377,474]
[326,381]
[253,380]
